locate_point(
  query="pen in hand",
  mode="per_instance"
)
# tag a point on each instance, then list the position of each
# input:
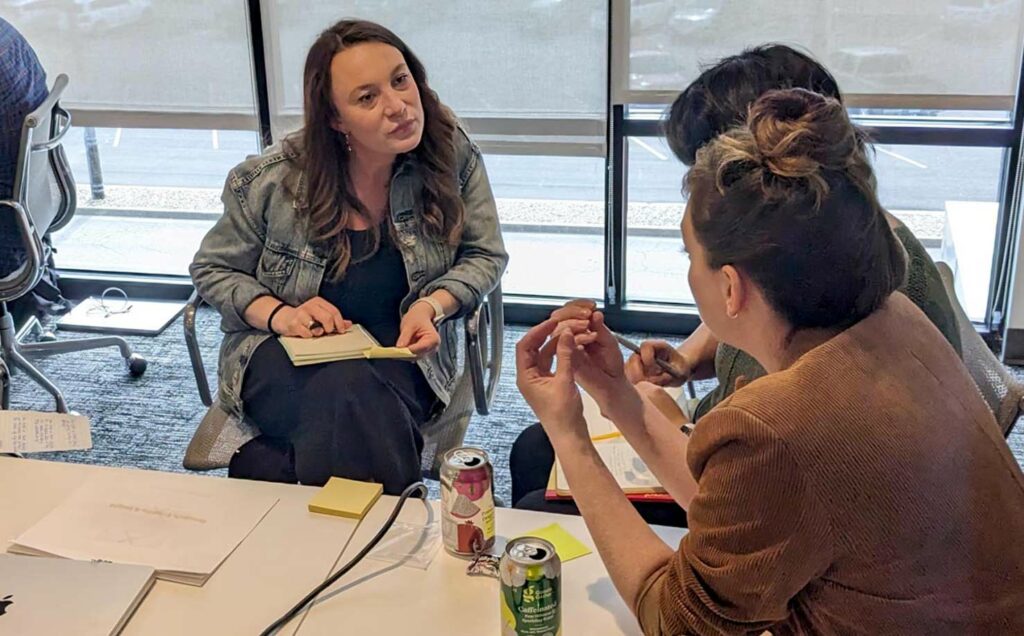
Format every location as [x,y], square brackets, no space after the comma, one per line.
[665,366]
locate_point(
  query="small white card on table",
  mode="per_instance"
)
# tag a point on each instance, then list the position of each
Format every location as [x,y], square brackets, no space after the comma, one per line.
[35,432]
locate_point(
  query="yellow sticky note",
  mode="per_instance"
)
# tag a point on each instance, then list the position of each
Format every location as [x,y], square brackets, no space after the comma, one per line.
[567,546]
[399,353]
[345,498]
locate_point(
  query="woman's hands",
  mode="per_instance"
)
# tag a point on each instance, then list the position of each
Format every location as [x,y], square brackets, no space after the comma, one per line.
[552,396]
[315,317]
[596,361]
[642,367]
[417,330]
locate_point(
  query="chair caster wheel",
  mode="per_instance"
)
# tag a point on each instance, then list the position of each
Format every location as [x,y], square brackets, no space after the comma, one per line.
[136,365]
[47,336]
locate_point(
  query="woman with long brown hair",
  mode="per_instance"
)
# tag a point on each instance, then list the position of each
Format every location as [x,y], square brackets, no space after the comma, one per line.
[377,212]
[861,485]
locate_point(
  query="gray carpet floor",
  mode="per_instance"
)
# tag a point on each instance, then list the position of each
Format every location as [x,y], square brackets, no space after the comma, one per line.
[147,422]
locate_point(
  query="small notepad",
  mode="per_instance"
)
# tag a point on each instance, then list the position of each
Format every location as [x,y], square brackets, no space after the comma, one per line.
[567,546]
[346,498]
[355,343]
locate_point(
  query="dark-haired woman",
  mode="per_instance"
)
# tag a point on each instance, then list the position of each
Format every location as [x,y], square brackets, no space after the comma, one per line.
[377,212]
[716,101]
[862,485]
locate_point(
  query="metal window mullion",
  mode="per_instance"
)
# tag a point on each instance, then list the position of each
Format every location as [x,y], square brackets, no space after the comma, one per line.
[615,226]
[994,136]
[258,60]
[618,52]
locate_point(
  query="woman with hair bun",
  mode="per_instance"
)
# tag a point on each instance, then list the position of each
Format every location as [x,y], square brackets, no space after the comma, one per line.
[861,485]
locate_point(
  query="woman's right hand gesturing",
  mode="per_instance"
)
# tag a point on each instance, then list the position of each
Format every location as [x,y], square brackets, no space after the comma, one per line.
[315,317]
[641,367]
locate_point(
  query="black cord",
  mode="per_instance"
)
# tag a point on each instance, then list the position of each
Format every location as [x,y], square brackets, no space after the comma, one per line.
[293,612]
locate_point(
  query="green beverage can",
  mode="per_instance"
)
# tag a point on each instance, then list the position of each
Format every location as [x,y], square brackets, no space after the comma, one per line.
[531,588]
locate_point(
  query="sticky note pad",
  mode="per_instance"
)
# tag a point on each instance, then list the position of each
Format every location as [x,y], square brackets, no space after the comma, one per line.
[399,353]
[346,498]
[567,546]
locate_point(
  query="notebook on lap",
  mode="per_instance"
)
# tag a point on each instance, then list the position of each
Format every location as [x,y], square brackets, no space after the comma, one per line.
[355,343]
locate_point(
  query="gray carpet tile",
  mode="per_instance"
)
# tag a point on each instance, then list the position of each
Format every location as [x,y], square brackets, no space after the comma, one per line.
[147,422]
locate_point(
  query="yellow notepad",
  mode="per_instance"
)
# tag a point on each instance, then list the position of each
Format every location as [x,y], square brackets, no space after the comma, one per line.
[567,546]
[346,498]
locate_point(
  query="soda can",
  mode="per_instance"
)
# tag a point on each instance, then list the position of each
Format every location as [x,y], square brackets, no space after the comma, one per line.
[467,501]
[531,588]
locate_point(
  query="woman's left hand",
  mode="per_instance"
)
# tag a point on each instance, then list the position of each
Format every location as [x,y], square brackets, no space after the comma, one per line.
[417,330]
[552,396]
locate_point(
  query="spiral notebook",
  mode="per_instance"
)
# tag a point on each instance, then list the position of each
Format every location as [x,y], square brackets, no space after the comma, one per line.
[353,344]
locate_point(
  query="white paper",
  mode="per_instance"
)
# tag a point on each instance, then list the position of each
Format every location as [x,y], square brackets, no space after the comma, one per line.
[34,432]
[352,343]
[625,465]
[181,529]
[599,425]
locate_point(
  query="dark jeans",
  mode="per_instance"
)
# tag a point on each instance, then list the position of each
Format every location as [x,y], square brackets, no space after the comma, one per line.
[530,464]
[357,419]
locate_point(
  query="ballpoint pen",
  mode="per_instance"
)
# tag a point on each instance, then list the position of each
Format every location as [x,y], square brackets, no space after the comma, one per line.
[665,366]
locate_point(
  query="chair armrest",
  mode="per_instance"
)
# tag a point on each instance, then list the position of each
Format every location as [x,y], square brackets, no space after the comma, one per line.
[191,342]
[485,330]
[23,279]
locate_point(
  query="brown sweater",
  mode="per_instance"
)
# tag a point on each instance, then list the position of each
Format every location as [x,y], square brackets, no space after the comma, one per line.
[864,490]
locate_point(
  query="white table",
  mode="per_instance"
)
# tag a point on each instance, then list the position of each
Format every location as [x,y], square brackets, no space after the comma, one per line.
[286,555]
[381,598]
[293,550]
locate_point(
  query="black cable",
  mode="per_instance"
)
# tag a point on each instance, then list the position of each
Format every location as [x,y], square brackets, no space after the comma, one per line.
[293,612]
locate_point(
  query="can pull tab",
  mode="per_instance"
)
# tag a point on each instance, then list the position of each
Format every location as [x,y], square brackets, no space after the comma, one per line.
[483,564]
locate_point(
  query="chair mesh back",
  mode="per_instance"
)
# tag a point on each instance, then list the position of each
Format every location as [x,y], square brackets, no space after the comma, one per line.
[44,187]
[998,387]
[43,197]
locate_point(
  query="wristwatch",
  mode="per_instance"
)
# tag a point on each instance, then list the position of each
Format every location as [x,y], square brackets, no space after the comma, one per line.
[438,309]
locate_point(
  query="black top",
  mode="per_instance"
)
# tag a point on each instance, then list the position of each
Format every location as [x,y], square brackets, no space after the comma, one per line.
[371,292]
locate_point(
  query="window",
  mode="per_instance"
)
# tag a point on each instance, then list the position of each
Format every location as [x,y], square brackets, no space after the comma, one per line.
[532,94]
[949,197]
[944,71]
[927,53]
[507,68]
[161,93]
[588,209]
[158,196]
[655,261]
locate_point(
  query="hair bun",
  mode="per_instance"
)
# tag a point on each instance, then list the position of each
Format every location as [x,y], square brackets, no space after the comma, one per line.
[797,133]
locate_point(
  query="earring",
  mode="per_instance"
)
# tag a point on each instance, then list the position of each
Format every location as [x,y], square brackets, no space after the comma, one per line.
[348,146]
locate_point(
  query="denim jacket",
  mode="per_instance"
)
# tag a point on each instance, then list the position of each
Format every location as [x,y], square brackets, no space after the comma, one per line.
[261,245]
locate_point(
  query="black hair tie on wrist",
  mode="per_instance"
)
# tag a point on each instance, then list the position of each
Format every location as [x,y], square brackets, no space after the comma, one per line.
[270,318]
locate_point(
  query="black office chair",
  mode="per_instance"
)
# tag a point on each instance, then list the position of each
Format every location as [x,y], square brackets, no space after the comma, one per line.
[43,200]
